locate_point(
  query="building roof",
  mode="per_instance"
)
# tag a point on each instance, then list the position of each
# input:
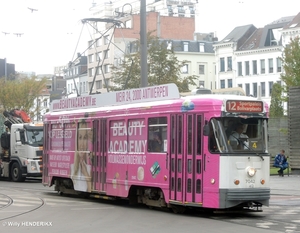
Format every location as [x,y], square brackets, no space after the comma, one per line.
[295,22]
[249,37]
[239,33]
[194,46]
[253,41]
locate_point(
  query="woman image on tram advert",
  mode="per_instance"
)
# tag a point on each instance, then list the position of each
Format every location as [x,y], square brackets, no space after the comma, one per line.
[81,170]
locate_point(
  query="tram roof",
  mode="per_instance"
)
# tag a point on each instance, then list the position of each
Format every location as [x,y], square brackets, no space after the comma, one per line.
[151,96]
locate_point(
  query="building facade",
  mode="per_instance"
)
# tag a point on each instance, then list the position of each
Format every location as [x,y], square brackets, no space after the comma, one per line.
[120,26]
[7,70]
[76,78]
[250,57]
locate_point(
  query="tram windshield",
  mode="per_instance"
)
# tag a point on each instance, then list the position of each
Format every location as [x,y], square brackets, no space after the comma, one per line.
[237,135]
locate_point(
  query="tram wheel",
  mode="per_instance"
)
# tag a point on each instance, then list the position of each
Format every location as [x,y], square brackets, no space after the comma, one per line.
[178,209]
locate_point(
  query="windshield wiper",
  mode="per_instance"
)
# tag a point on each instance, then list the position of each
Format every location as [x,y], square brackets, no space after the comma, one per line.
[245,145]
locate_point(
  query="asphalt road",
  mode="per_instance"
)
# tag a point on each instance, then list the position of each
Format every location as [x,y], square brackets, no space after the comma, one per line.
[31,207]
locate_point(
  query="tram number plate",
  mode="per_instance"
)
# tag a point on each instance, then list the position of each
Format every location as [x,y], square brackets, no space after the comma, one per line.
[250,182]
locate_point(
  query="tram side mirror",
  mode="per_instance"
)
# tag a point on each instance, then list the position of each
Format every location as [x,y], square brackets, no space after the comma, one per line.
[206,130]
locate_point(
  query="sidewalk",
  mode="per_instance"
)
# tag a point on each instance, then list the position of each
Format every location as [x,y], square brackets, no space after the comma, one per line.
[287,185]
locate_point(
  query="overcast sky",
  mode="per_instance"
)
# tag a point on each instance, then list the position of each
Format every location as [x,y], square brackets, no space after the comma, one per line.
[51,33]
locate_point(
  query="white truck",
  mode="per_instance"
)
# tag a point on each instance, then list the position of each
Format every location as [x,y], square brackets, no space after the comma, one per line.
[21,147]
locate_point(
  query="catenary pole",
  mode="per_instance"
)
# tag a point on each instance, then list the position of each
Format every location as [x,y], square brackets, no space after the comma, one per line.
[143,38]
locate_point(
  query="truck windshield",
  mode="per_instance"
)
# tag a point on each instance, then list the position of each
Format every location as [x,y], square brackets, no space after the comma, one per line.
[35,137]
[238,135]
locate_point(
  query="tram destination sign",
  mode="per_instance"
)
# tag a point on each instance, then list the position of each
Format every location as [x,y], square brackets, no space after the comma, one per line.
[244,106]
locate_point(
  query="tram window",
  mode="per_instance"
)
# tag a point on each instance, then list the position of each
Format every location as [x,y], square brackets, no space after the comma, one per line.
[179,185]
[173,165]
[179,165]
[199,166]
[212,139]
[189,168]
[198,135]
[56,142]
[157,134]
[180,135]
[69,132]
[198,186]
[189,186]
[172,184]
[189,134]
[173,130]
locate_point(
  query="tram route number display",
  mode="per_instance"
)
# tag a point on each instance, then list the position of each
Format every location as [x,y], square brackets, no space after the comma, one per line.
[244,106]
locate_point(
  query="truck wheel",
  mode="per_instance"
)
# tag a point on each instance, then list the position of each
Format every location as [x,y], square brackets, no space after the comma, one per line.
[16,173]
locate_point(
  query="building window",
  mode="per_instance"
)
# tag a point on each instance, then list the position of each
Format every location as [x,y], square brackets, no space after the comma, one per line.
[254,89]
[278,64]
[90,44]
[222,64]
[106,39]
[99,56]
[240,69]
[106,69]
[106,54]
[229,83]
[186,46]
[270,65]
[201,69]
[91,58]
[185,69]
[201,84]
[45,103]
[201,47]
[262,66]
[247,68]
[180,9]
[247,86]
[91,72]
[222,83]
[263,88]
[270,88]
[98,70]
[99,42]
[99,84]
[229,63]
[254,67]
[240,85]
[80,88]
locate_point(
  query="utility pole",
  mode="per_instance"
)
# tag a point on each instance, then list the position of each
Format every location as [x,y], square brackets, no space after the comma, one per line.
[143,38]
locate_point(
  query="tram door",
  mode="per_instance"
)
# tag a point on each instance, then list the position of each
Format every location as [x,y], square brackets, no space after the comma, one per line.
[186,158]
[100,157]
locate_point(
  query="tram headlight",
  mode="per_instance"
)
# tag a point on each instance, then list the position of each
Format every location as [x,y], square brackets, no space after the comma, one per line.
[251,171]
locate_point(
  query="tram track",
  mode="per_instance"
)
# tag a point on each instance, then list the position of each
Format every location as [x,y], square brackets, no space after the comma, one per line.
[9,205]
[9,201]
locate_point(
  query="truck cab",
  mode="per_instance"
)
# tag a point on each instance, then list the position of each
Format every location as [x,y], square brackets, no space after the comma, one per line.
[21,151]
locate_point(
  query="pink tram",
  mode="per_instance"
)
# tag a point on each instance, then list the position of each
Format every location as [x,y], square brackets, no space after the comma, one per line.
[152,146]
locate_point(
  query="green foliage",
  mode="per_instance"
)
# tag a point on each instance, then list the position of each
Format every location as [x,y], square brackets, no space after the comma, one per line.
[276,108]
[284,131]
[163,67]
[291,64]
[20,93]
